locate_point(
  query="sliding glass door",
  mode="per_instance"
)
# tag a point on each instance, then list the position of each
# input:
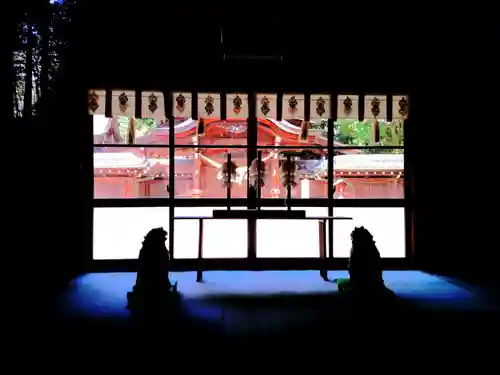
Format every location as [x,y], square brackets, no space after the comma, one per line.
[150,169]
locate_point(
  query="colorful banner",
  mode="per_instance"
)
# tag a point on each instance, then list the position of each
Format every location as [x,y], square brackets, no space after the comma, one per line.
[293,107]
[237,105]
[182,102]
[96,102]
[348,107]
[209,105]
[320,106]
[266,106]
[153,105]
[123,103]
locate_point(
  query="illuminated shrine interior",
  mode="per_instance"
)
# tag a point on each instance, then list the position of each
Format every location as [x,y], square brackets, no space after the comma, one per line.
[137,172]
[137,158]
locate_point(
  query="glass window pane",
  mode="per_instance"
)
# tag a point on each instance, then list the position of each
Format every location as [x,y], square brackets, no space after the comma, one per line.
[386,224]
[202,174]
[369,173]
[310,173]
[119,232]
[221,238]
[133,172]
[271,132]
[290,238]
[124,130]
[230,132]
[349,132]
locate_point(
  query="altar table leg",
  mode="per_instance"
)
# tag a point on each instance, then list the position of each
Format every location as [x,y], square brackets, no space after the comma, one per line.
[322,250]
[199,272]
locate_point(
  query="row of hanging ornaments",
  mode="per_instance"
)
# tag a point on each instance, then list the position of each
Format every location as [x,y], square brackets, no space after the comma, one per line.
[123,103]
[151,107]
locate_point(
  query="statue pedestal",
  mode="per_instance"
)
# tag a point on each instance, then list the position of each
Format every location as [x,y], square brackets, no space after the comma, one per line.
[137,299]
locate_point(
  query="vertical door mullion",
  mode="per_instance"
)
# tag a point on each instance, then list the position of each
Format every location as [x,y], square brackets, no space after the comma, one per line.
[168,95]
[252,124]
[331,172]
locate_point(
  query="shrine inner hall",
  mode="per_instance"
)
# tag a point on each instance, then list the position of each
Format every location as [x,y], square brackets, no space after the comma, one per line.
[162,155]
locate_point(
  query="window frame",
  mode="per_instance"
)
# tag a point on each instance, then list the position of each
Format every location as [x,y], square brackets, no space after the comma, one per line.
[250,201]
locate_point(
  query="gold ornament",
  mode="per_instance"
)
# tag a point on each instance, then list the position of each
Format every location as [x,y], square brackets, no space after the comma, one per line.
[320,106]
[93,101]
[237,103]
[292,104]
[265,105]
[403,107]
[181,103]
[375,103]
[209,105]
[153,106]
[347,105]
[123,102]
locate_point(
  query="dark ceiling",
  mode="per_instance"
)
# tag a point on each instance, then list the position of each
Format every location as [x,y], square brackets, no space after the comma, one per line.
[273,48]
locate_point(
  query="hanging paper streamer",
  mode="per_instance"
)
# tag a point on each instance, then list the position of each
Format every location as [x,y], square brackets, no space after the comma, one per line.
[200,128]
[96,102]
[266,106]
[237,106]
[182,102]
[131,131]
[320,107]
[376,132]
[293,107]
[227,174]
[400,106]
[375,107]
[153,105]
[288,170]
[257,175]
[123,103]
[209,105]
[304,130]
[348,107]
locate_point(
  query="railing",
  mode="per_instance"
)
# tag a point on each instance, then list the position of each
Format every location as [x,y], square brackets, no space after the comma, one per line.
[322,223]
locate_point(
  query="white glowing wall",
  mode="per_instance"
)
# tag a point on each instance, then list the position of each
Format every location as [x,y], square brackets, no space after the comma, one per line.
[118,233]
[386,224]
[221,238]
[290,238]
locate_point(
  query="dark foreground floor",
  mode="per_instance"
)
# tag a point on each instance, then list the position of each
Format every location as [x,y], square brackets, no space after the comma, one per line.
[253,320]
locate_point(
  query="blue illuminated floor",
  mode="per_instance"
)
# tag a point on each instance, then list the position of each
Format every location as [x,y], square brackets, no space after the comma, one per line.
[284,311]
[103,295]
